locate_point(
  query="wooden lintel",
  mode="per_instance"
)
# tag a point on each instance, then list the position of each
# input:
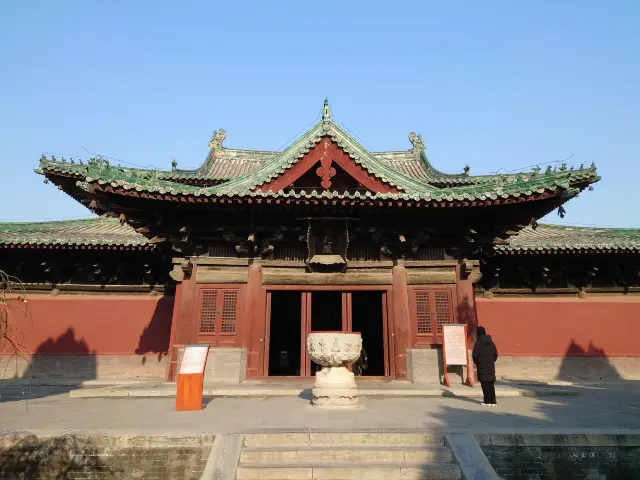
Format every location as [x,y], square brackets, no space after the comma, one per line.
[277,276]
[431,275]
[370,264]
[85,288]
[429,263]
[207,274]
[231,261]
[281,263]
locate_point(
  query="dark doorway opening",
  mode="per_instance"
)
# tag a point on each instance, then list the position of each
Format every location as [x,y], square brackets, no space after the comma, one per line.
[367,318]
[326,315]
[326,312]
[285,331]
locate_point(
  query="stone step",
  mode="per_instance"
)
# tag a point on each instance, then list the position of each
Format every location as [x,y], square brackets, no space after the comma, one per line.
[347,453]
[350,471]
[337,439]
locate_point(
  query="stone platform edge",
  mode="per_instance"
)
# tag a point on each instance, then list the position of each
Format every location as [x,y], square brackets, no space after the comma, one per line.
[168,390]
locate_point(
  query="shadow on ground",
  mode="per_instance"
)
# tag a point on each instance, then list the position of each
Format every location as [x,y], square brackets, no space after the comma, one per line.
[611,405]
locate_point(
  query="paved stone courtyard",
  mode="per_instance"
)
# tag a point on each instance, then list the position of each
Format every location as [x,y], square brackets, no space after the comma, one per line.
[598,409]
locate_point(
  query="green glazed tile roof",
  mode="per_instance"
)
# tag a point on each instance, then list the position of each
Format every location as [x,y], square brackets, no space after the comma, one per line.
[242,172]
[100,231]
[555,238]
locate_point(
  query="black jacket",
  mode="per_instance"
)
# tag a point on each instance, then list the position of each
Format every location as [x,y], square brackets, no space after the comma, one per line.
[485,355]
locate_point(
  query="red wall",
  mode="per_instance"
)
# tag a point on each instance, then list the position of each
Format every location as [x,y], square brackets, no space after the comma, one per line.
[604,326]
[98,324]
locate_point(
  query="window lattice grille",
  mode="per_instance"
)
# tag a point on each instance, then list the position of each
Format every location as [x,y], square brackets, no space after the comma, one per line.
[222,251]
[208,311]
[433,253]
[444,312]
[366,253]
[423,312]
[289,252]
[229,312]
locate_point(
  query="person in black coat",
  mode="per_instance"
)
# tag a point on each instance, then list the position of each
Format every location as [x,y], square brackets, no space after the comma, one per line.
[485,355]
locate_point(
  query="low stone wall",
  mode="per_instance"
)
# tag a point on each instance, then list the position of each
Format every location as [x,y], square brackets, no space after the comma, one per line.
[225,366]
[570,369]
[425,365]
[94,457]
[81,368]
[563,457]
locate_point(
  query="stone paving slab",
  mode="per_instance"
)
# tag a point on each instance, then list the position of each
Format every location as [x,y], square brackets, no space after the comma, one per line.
[593,411]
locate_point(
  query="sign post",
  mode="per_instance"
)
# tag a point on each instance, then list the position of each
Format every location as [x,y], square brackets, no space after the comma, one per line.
[454,350]
[191,377]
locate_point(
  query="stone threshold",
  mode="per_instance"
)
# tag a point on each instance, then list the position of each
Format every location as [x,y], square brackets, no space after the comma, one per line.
[255,389]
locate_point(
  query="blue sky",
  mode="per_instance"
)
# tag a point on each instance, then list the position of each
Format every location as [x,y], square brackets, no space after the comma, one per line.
[495,84]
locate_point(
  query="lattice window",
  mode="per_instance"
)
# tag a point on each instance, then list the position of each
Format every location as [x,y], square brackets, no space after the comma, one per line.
[423,312]
[229,312]
[444,309]
[289,252]
[222,251]
[433,253]
[208,311]
[363,253]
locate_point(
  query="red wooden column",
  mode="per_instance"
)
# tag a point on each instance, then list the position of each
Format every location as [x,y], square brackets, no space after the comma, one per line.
[183,322]
[254,326]
[174,317]
[466,301]
[401,320]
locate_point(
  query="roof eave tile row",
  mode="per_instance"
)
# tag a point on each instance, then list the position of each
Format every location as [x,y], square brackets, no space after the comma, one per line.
[90,233]
[85,233]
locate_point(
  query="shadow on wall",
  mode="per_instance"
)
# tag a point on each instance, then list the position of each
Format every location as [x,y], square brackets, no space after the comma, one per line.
[155,336]
[591,363]
[57,366]
[467,315]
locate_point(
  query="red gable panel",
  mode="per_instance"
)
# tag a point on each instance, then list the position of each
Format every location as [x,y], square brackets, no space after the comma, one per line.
[327,153]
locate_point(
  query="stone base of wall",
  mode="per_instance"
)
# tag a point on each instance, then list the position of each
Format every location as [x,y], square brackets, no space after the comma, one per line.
[569,369]
[516,457]
[82,368]
[96,457]
[225,366]
[426,366]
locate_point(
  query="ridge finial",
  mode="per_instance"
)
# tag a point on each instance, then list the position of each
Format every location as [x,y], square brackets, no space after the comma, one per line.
[326,110]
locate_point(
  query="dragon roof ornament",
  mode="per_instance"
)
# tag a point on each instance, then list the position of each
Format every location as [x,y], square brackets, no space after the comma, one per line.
[417,142]
[215,143]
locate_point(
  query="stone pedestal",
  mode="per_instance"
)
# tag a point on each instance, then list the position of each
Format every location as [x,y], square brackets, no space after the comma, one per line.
[335,386]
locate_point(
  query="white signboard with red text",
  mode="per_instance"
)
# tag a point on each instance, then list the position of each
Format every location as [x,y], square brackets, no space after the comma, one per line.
[455,350]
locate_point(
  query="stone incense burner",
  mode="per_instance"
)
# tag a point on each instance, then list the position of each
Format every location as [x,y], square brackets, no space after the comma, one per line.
[335,386]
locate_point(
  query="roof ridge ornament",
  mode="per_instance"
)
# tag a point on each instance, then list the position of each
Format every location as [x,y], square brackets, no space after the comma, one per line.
[417,142]
[215,144]
[326,111]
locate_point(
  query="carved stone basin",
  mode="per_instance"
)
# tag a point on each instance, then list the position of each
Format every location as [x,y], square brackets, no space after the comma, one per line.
[334,349]
[335,386]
